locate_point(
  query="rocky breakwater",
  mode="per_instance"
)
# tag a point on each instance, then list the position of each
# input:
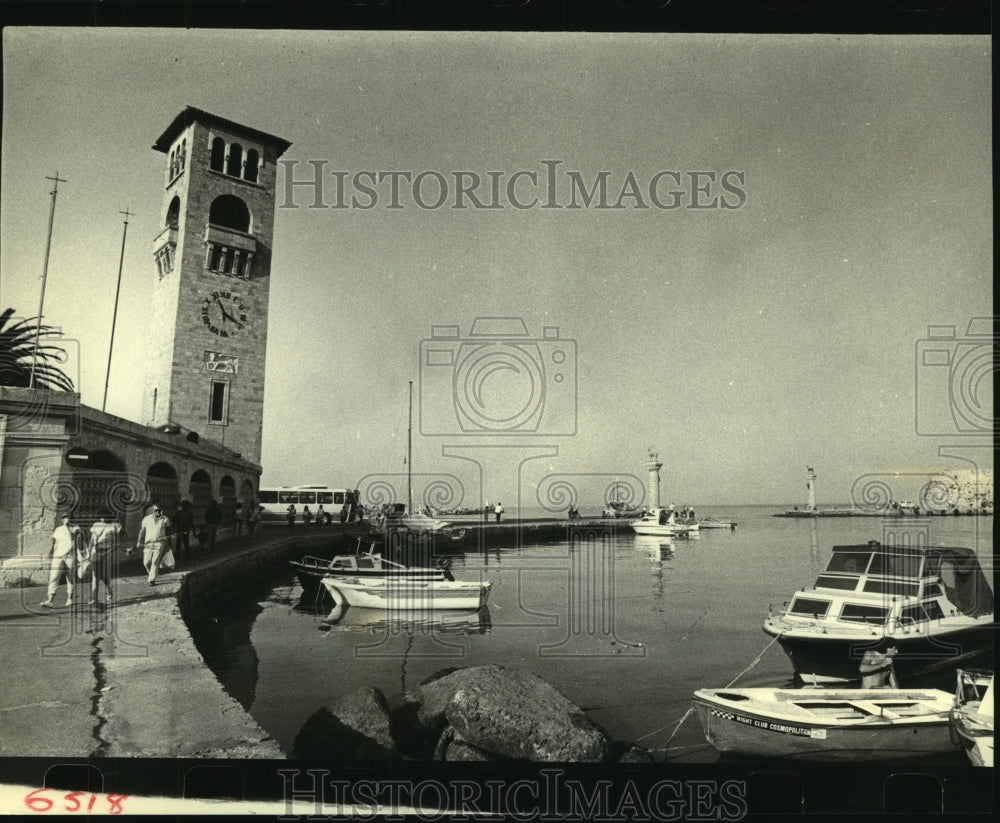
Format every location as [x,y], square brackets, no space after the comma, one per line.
[476,714]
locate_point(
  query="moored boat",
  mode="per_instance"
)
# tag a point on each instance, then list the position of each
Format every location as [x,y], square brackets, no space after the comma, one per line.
[396,594]
[444,621]
[663,523]
[712,523]
[933,604]
[826,724]
[972,715]
[368,564]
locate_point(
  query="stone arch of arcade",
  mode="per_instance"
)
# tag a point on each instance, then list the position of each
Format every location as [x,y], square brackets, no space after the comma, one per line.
[97,481]
[72,458]
[163,486]
[227,501]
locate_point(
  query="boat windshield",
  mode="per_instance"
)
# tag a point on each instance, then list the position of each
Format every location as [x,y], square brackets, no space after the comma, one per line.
[849,559]
[896,565]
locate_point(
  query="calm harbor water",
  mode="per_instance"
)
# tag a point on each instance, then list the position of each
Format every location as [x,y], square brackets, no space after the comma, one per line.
[627,628]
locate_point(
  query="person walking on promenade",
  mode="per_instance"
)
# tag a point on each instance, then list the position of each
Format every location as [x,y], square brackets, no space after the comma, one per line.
[185,525]
[486,512]
[153,540]
[102,551]
[498,510]
[213,516]
[239,518]
[253,518]
[63,560]
[290,515]
[307,517]
[320,516]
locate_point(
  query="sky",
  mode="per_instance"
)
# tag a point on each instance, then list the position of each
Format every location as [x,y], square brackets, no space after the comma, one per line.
[845,205]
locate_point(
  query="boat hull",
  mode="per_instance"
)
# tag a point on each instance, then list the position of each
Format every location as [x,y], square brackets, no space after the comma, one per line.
[310,572]
[407,595]
[747,732]
[924,660]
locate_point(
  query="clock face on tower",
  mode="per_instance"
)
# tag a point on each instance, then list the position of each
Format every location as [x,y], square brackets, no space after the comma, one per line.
[223,313]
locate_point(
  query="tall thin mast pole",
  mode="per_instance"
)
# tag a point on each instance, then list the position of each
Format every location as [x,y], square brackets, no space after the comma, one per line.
[45,273]
[114,317]
[409,457]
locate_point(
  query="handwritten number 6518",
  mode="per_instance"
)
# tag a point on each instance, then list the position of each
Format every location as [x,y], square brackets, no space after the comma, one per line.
[37,802]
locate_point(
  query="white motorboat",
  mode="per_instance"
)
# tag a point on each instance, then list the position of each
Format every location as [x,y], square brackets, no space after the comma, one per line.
[663,523]
[368,564]
[712,523]
[445,621]
[972,715]
[395,594]
[933,603]
[826,724]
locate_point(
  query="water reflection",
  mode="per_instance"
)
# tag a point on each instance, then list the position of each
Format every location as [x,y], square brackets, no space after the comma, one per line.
[660,551]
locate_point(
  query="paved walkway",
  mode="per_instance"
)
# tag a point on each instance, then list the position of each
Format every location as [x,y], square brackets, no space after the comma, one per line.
[78,681]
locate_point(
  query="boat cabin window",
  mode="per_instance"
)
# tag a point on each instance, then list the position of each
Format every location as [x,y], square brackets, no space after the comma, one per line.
[288,497]
[859,613]
[912,614]
[324,497]
[809,607]
[307,497]
[932,590]
[338,498]
[928,610]
[896,565]
[828,581]
[268,496]
[851,562]
[896,588]
[366,563]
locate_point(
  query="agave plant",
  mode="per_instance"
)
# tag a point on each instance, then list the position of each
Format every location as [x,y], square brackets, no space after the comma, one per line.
[17,349]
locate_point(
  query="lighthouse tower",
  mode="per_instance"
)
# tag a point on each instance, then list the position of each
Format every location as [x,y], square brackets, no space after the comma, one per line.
[811,489]
[653,484]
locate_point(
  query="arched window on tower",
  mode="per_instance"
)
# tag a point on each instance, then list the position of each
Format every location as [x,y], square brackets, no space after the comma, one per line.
[230,212]
[174,213]
[182,155]
[218,154]
[230,246]
[172,168]
[235,165]
[253,161]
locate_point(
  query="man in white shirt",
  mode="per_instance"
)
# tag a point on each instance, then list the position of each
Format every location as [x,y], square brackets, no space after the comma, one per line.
[153,541]
[63,561]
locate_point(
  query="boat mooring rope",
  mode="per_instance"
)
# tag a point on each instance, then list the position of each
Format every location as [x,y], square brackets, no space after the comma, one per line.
[687,714]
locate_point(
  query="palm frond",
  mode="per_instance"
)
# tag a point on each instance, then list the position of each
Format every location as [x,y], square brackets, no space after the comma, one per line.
[17,350]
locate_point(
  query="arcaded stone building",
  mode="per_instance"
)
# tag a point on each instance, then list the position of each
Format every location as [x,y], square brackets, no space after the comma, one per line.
[203,390]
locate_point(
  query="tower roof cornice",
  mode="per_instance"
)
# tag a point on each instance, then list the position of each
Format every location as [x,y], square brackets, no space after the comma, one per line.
[190,114]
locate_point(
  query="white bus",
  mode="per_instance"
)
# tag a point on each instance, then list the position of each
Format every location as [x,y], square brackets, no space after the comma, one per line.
[275,500]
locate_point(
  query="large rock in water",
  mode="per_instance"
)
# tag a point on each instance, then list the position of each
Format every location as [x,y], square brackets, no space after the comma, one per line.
[511,714]
[355,727]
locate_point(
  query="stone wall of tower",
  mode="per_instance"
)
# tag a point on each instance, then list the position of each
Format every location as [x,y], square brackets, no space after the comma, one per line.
[185,374]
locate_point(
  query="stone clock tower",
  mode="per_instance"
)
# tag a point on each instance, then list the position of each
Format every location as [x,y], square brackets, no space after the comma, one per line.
[207,322]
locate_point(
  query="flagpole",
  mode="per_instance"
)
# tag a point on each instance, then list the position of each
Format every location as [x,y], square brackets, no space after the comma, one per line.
[114,317]
[45,273]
